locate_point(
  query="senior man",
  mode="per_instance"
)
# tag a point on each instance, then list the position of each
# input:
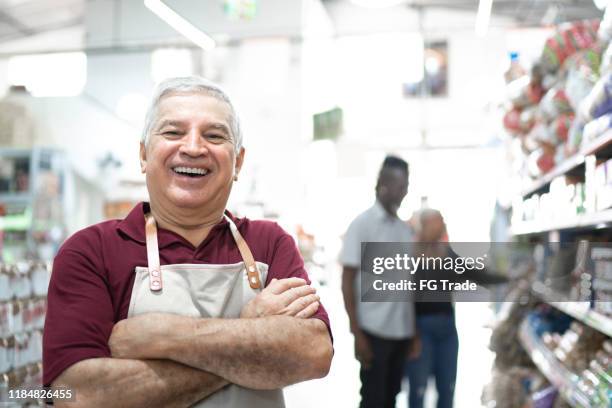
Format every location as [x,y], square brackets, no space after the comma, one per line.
[182,303]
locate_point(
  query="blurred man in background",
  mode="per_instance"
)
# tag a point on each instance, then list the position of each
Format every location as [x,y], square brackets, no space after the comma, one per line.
[383,330]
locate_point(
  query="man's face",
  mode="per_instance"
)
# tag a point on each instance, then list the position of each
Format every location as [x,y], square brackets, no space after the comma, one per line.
[190,159]
[393,187]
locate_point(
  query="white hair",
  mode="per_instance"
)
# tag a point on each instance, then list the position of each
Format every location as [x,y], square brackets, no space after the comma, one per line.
[190,84]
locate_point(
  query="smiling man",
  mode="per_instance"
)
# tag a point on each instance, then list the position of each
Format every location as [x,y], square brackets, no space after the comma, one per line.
[181,303]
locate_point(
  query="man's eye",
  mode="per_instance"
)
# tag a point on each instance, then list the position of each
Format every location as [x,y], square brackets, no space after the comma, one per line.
[170,133]
[216,137]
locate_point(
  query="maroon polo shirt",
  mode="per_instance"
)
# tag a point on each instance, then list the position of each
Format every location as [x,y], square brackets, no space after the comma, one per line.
[93,275]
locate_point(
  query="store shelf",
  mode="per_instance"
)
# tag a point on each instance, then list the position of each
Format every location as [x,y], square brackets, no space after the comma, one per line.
[564,380]
[601,219]
[598,145]
[578,310]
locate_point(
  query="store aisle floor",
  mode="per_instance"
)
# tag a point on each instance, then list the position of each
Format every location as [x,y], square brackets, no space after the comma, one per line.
[341,387]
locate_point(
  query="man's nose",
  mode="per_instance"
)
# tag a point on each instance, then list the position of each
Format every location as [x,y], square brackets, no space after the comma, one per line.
[194,144]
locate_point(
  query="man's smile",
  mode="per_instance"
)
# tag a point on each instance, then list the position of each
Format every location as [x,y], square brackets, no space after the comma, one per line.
[192,172]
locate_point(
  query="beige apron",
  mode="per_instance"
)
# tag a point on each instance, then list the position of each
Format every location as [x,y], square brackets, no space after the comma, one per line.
[203,291]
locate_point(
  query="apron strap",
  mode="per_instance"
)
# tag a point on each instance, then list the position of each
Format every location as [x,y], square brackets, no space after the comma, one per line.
[155,279]
[247,255]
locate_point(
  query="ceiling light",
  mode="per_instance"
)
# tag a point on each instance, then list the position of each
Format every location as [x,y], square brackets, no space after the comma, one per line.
[180,24]
[377,3]
[483,17]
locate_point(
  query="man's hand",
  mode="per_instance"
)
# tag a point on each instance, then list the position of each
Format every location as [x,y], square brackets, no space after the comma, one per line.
[288,297]
[363,350]
[415,348]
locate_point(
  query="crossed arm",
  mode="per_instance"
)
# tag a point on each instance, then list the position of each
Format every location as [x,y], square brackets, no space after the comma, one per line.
[170,360]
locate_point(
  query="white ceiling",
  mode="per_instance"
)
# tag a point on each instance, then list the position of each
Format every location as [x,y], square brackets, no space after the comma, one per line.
[524,12]
[25,18]
[21,19]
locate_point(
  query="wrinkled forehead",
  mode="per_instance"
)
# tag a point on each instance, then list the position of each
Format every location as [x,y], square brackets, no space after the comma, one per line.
[192,106]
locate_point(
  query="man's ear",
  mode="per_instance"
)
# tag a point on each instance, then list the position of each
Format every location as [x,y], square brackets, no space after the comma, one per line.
[143,158]
[239,161]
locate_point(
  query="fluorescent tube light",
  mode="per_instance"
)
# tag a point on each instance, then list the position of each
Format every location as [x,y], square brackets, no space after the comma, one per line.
[180,24]
[483,17]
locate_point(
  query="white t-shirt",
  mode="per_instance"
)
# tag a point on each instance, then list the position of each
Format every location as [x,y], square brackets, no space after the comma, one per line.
[391,320]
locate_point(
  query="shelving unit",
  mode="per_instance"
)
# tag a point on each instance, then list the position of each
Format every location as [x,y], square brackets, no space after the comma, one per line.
[567,229]
[598,220]
[32,196]
[578,310]
[601,145]
[576,165]
[564,380]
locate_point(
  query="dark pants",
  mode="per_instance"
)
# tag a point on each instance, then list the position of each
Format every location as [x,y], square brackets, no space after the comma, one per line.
[381,383]
[440,346]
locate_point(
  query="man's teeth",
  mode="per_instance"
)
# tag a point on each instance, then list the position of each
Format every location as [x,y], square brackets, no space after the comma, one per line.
[190,170]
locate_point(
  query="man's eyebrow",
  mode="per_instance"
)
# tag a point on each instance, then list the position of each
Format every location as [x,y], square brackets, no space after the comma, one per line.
[169,122]
[220,126]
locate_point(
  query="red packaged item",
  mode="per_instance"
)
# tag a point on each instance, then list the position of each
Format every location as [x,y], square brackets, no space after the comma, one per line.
[554,103]
[567,40]
[559,128]
[512,121]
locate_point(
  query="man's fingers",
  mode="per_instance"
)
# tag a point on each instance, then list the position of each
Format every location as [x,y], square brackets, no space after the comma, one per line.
[291,295]
[279,286]
[302,303]
[308,311]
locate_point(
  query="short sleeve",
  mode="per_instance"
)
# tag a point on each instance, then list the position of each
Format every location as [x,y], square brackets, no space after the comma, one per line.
[80,315]
[287,262]
[350,254]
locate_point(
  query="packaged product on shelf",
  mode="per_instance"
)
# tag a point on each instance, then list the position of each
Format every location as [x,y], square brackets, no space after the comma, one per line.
[8,345]
[602,185]
[3,385]
[6,354]
[515,70]
[598,102]
[19,280]
[35,346]
[508,389]
[554,103]
[512,121]
[606,61]
[524,92]
[527,119]
[604,391]
[596,128]
[559,128]
[541,161]
[16,316]
[26,314]
[5,290]
[5,319]
[544,398]
[39,275]
[568,39]
[35,375]
[22,349]
[579,346]
[582,70]
[605,28]
[574,137]
[602,280]
[508,352]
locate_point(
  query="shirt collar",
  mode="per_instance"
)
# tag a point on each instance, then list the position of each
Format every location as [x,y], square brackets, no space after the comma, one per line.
[133,226]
